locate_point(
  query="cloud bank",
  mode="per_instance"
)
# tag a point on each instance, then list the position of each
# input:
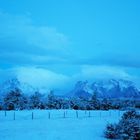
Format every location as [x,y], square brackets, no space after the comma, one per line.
[48,79]
[22,42]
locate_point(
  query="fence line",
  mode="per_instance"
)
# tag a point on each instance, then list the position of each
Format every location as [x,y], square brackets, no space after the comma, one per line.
[68,114]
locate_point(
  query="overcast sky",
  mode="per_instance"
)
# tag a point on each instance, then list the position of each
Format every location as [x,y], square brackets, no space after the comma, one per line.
[54,42]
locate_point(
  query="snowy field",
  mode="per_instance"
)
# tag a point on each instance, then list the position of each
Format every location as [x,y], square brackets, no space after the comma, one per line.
[55,124]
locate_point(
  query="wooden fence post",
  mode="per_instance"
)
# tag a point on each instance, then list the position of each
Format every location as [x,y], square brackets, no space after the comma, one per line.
[76,114]
[109,113]
[89,114]
[66,112]
[32,115]
[119,113]
[64,115]
[100,114]
[5,113]
[49,115]
[14,116]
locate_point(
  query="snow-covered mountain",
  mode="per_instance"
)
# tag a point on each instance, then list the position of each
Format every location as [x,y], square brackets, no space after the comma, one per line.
[14,83]
[81,89]
[106,88]
[26,88]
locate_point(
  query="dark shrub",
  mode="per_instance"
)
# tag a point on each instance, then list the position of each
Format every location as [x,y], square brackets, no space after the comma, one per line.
[128,127]
[111,131]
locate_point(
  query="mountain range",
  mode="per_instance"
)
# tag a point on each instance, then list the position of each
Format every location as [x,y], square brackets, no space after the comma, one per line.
[111,88]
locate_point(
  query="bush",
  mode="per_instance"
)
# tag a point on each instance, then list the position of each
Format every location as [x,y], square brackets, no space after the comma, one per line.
[132,114]
[111,131]
[128,127]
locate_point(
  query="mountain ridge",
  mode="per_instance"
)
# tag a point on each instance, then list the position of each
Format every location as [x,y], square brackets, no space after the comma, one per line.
[111,88]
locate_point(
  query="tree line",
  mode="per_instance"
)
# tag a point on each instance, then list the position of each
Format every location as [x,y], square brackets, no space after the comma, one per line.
[16,100]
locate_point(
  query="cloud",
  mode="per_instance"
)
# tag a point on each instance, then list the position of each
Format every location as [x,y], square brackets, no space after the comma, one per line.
[39,77]
[44,78]
[96,72]
[122,59]
[21,39]
[24,43]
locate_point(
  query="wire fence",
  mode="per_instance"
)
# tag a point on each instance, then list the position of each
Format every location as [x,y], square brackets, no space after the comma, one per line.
[58,114]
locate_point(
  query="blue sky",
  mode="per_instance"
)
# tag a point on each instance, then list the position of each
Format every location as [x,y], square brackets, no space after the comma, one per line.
[64,41]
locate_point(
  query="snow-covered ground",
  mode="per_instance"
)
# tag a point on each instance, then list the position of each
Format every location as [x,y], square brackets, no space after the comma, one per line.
[60,125]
